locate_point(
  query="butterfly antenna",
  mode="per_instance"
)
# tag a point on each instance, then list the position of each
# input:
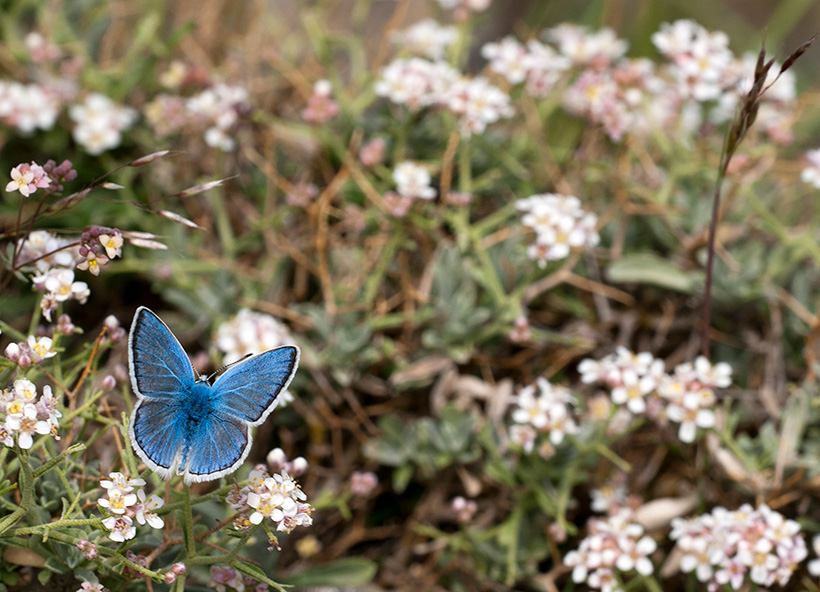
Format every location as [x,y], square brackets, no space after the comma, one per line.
[224,368]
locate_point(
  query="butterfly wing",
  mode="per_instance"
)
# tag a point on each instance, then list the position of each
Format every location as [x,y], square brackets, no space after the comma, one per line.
[158,435]
[241,397]
[162,377]
[218,445]
[159,367]
[248,390]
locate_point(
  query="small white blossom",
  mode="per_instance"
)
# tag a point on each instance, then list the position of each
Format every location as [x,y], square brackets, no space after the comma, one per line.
[121,528]
[99,123]
[413,180]
[427,38]
[144,510]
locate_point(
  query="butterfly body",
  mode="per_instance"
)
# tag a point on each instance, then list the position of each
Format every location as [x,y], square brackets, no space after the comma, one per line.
[182,423]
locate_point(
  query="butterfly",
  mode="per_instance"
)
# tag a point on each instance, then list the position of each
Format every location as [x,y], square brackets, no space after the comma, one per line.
[184,424]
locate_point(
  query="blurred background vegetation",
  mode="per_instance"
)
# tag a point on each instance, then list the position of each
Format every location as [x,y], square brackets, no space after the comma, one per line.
[404,322]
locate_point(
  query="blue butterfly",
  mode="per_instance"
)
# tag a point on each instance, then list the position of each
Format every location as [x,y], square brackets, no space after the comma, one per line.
[182,423]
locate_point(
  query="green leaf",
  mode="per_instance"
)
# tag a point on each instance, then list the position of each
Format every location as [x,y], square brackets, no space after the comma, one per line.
[401,477]
[86,575]
[646,268]
[44,576]
[55,565]
[353,571]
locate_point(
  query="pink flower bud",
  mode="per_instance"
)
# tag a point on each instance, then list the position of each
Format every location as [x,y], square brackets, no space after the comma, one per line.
[109,383]
[178,568]
[298,466]
[277,459]
[111,322]
[121,372]
[13,352]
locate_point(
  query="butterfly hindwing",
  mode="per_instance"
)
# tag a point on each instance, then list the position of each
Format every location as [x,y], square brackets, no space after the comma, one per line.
[158,435]
[218,446]
[248,390]
[160,368]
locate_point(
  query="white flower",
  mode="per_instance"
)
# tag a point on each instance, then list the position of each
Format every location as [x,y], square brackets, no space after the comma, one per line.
[507,57]
[264,504]
[810,174]
[633,391]
[560,224]
[41,348]
[413,180]
[121,528]
[118,481]
[26,425]
[24,390]
[145,510]
[99,123]
[427,38]
[21,181]
[719,375]
[59,282]
[524,436]
[118,501]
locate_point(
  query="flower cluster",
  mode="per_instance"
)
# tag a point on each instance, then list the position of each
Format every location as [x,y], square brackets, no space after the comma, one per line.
[42,251]
[27,178]
[614,546]
[99,123]
[301,194]
[542,408]
[811,173]
[26,414]
[426,38]
[91,587]
[609,499]
[31,351]
[814,564]
[723,547]
[27,107]
[463,509]
[250,332]
[462,8]
[413,181]
[59,286]
[225,578]
[277,497]
[98,246]
[638,381]
[701,80]
[321,107]
[216,110]
[362,484]
[536,63]
[560,224]
[419,83]
[125,502]
[278,462]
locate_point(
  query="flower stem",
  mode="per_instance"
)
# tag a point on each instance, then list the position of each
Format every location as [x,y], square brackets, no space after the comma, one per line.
[707,290]
[188,523]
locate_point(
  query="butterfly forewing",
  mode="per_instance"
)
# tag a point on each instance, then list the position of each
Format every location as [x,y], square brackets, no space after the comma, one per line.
[249,389]
[160,369]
